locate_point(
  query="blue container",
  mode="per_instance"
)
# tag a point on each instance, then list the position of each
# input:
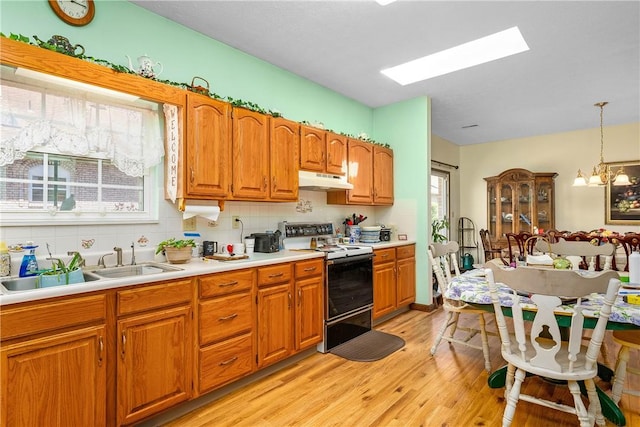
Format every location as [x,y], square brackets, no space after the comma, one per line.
[48,280]
[29,266]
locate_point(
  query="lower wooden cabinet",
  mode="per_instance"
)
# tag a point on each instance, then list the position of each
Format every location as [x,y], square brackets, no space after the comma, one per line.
[58,380]
[154,349]
[394,279]
[309,307]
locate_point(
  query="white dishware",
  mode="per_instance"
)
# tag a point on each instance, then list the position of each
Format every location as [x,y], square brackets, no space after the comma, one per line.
[249,244]
[238,248]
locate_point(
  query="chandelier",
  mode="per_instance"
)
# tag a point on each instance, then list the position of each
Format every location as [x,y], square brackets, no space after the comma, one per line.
[602,173]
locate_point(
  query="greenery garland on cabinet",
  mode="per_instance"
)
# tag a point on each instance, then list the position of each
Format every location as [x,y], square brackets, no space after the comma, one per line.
[123,69]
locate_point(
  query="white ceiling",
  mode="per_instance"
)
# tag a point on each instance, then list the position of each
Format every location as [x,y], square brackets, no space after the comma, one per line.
[581,52]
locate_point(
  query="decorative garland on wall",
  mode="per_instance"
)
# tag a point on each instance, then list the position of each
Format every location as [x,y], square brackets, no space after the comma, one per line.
[236,102]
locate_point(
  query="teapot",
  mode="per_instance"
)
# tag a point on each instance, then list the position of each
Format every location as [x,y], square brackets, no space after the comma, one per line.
[146,67]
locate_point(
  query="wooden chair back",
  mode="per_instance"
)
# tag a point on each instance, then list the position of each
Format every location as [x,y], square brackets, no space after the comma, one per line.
[489,251]
[516,244]
[444,257]
[555,235]
[588,250]
[542,348]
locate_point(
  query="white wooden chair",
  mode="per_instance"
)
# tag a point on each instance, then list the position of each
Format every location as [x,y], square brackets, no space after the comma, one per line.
[542,351]
[582,249]
[440,254]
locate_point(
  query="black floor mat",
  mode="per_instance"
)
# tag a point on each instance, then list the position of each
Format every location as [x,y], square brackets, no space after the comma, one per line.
[370,346]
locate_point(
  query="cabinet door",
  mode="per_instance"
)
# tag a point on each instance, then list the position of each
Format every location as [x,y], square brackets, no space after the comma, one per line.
[384,289]
[55,381]
[360,172]
[154,363]
[208,147]
[275,317]
[406,281]
[250,155]
[544,205]
[309,311]
[524,206]
[284,158]
[336,154]
[312,149]
[382,176]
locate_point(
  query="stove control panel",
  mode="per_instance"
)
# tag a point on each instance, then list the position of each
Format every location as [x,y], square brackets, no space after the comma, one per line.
[298,229]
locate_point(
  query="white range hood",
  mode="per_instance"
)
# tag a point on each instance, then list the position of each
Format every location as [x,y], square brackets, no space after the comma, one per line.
[322,182]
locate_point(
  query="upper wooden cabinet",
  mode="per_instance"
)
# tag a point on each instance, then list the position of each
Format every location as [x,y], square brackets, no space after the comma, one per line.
[322,151]
[250,155]
[283,159]
[519,200]
[370,172]
[208,147]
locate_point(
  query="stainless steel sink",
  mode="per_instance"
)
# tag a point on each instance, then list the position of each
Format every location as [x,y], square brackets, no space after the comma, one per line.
[134,270]
[17,284]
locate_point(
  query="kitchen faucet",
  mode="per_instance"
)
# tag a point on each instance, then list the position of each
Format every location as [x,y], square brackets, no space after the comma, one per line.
[118,252]
[101,260]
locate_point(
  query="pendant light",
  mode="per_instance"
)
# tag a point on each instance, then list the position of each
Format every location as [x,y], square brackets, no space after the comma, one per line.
[601,174]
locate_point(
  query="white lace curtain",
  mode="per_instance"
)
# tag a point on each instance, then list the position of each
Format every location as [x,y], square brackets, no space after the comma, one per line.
[131,137]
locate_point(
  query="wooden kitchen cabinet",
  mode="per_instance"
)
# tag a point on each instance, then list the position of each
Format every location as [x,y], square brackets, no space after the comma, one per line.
[226,319]
[519,200]
[208,147]
[284,156]
[394,279]
[371,173]
[154,348]
[322,151]
[250,155]
[309,303]
[53,361]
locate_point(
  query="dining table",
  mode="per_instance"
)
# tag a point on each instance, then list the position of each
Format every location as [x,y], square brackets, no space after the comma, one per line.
[472,287]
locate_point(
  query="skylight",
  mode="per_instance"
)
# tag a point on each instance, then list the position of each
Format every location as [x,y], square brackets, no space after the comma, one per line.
[384,2]
[486,49]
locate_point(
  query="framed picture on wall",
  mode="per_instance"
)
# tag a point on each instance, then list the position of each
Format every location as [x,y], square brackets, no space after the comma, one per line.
[622,202]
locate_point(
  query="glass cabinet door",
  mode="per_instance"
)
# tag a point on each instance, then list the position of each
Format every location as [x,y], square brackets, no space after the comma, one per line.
[524,207]
[544,209]
[506,209]
[491,202]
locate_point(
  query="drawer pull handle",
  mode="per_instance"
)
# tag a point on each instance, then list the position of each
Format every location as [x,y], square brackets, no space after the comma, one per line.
[385,256]
[273,276]
[222,285]
[310,269]
[124,343]
[227,362]
[229,317]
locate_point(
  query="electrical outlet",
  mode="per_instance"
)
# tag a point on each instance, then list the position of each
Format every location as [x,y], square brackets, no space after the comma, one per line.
[189,224]
[235,221]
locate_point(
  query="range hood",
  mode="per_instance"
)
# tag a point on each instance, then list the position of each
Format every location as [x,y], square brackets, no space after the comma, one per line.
[322,182]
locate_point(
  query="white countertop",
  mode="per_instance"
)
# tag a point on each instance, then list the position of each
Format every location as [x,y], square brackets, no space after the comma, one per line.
[196,267]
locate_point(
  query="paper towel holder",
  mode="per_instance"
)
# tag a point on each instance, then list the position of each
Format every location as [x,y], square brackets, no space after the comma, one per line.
[182,203]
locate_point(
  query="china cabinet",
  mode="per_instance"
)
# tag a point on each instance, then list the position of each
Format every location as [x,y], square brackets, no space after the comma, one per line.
[519,200]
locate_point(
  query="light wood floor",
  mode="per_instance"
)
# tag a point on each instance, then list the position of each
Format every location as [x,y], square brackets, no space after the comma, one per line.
[407,388]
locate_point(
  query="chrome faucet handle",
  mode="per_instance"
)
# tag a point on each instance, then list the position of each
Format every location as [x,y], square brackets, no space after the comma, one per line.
[101,260]
[118,252]
[133,253]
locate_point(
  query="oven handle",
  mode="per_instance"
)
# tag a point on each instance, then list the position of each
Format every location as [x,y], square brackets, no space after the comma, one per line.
[350,259]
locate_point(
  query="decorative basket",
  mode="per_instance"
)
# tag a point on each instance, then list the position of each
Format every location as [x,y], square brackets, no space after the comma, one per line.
[178,255]
[199,89]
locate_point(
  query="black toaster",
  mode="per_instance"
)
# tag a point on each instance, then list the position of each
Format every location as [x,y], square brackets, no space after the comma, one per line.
[267,242]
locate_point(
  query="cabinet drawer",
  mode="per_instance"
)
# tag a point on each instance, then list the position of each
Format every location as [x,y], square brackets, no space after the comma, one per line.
[407,251]
[226,283]
[155,296]
[310,268]
[384,255]
[48,316]
[276,274]
[225,317]
[226,361]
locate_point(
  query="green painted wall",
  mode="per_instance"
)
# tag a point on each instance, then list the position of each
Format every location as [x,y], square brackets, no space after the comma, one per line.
[406,127]
[121,28]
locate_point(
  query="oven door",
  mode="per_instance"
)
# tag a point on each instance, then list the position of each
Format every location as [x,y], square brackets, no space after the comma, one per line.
[349,285]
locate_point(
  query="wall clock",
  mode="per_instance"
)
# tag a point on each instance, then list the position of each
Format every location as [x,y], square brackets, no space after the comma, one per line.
[74,12]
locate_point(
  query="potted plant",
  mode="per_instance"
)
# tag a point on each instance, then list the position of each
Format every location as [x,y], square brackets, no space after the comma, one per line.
[436,228]
[176,251]
[61,274]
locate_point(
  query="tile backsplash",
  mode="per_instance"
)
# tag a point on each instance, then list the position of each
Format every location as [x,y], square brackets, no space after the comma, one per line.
[255,216]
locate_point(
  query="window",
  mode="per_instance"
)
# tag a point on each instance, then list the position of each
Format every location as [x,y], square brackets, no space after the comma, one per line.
[440,197]
[69,156]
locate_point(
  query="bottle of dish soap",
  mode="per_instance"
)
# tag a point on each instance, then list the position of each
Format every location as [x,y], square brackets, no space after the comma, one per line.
[29,266]
[5,260]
